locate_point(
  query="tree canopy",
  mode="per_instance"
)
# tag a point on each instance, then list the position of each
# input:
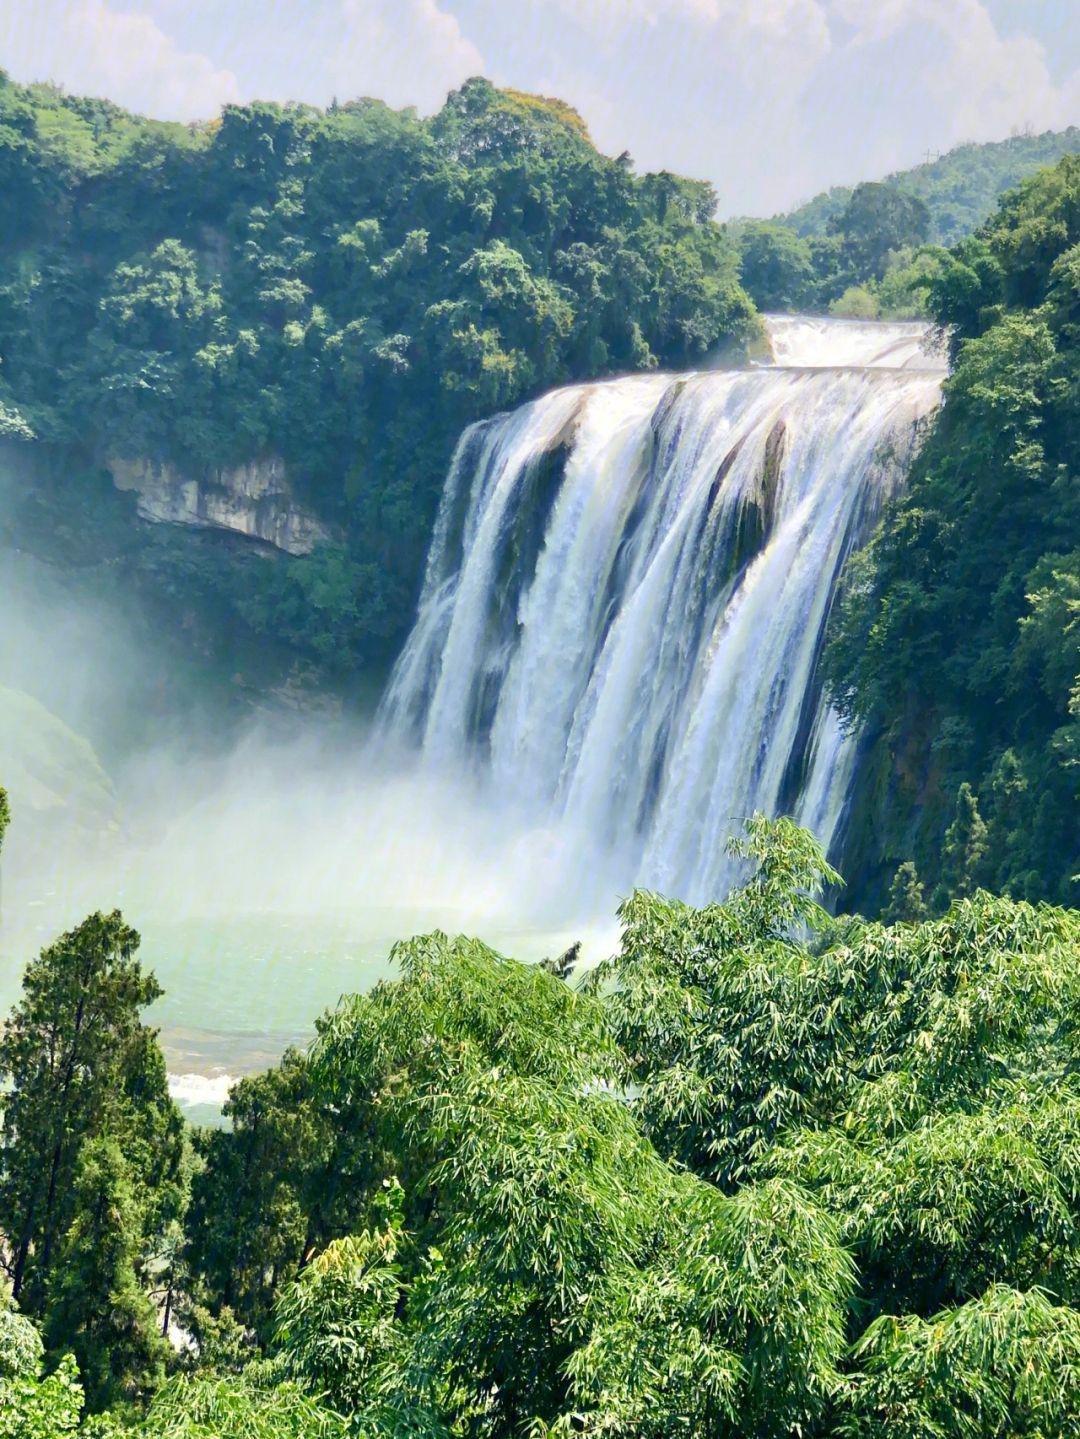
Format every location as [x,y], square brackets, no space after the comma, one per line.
[91,1153]
[342,290]
[873,250]
[960,188]
[762,1173]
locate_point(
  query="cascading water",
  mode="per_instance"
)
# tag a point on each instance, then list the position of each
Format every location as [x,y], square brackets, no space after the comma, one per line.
[627,592]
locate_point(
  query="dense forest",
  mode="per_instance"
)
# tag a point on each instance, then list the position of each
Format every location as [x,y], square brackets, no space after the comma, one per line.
[344,291]
[957,644]
[872,262]
[760,1174]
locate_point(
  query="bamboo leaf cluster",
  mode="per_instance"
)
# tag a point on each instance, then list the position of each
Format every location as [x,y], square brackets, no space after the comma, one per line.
[762,1174]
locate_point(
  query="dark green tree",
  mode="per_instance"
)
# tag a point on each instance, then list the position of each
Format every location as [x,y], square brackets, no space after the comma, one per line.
[1005,1364]
[251,1405]
[33,1406]
[79,1063]
[97,1308]
[879,219]
[907,897]
[776,266]
[961,188]
[964,851]
[37,1406]
[283,1179]
[716,1007]
[338,1325]
[557,1273]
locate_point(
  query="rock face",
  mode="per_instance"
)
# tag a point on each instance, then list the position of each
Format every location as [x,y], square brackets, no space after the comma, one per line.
[254,499]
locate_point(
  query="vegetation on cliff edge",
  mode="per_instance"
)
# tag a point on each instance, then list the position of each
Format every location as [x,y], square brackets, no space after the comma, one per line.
[347,289]
[957,643]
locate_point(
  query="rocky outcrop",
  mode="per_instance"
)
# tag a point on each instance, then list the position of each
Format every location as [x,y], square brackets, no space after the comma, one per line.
[254,499]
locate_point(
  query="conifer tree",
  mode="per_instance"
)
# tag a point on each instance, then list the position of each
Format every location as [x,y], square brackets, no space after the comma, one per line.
[98,1309]
[965,843]
[5,820]
[78,1062]
[907,897]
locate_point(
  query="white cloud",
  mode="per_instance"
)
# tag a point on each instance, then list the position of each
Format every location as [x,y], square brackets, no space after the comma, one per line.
[987,83]
[770,21]
[623,13]
[120,54]
[407,52]
[764,14]
[709,87]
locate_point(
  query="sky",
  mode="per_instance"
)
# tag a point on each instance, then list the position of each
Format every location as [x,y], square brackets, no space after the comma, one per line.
[771,100]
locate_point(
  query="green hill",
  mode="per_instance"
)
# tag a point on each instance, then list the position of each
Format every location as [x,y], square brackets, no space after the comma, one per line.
[960,188]
[49,769]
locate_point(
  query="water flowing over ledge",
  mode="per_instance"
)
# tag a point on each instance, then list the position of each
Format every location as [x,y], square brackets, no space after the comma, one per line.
[627,591]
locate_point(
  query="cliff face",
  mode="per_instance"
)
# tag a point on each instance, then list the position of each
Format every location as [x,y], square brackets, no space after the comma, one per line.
[253,499]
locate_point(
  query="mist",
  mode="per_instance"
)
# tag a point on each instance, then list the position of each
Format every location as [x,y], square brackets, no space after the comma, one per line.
[269,866]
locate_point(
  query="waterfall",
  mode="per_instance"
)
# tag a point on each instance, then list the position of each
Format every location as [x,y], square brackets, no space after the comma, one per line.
[628,587]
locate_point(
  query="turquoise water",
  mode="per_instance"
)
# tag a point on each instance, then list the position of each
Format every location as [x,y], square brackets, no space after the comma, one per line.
[240,989]
[268,870]
[237,989]
[261,981]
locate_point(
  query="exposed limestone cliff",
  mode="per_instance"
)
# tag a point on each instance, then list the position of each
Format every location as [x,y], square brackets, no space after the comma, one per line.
[254,499]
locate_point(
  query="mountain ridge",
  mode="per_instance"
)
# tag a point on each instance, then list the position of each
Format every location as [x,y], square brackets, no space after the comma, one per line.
[954,211]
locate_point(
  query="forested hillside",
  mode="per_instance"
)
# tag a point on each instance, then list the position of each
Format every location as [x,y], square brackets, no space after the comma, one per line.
[960,188]
[757,1176]
[873,250]
[872,262]
[329,295]
[957,645]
